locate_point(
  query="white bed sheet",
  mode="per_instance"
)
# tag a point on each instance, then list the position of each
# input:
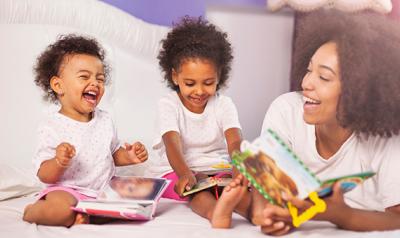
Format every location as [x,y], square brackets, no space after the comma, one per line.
[172,219]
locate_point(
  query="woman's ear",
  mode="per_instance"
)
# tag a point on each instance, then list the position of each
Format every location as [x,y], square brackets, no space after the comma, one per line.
[56,85]
[174,77]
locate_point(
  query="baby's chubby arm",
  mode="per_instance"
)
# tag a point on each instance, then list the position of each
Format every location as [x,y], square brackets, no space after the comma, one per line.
[135,153]
[51,170]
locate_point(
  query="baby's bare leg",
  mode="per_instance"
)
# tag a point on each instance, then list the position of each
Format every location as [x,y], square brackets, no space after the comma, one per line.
[53,210]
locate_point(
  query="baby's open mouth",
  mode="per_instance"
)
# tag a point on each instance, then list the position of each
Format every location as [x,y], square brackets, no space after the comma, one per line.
[90,96]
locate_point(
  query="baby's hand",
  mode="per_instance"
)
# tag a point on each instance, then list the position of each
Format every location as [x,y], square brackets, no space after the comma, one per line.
[64,154]
[185,183]
[137,152]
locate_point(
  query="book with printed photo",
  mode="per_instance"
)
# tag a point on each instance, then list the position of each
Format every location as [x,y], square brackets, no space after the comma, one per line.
[208,183]
[277,173]
[126,197]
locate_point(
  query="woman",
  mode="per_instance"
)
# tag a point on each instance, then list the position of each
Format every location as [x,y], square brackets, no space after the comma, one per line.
[345,119]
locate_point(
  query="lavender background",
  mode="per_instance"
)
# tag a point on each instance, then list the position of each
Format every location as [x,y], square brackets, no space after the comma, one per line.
[165,12]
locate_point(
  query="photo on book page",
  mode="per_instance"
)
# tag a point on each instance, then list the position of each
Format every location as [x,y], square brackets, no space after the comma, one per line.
[126,197]
[129,187]
[208,183]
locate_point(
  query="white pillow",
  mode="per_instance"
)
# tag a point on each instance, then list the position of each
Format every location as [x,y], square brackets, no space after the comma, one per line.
[382,6]
[16,182]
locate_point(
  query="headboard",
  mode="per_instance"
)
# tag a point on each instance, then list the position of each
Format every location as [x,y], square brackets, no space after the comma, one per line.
[260,71]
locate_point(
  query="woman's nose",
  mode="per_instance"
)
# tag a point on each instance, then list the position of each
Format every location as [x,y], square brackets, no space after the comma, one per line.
[306,83]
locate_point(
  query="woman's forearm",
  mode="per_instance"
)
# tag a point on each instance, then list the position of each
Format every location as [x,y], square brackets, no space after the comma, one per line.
[362,220]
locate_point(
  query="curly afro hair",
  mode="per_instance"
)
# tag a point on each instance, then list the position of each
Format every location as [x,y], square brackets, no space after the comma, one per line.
[195,38]
[368,47]
[49,62]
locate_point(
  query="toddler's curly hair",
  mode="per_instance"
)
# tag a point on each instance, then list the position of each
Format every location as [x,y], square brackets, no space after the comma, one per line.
[49,62]
[195,38]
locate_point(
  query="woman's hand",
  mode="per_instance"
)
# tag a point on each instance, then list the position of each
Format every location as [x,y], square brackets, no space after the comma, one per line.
[276,220]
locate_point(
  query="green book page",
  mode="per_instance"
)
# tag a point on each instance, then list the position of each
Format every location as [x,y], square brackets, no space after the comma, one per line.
[347,183]
[274,170]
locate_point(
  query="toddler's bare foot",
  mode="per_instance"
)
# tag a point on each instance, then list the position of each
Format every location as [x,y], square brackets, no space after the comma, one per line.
[231,196]
[81,218]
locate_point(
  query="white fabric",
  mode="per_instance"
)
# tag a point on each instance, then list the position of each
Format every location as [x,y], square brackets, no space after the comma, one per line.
[172,219]
[91,16]
[94,141]
[357,154]
[202,135]
[15,182]
[382,6]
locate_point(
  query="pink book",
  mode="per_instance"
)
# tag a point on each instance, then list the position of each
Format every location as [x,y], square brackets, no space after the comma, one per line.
[126,197]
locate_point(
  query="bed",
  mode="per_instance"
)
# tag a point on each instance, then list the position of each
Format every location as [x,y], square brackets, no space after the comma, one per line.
[26,28]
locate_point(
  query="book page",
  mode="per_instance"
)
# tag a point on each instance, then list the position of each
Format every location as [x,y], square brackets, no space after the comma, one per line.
[275,170]
[347,183]
[128,188]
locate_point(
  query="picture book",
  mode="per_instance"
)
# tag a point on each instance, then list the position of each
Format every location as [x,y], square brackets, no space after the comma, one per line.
[208,183]
[126,197]
[221,167]
[277,173]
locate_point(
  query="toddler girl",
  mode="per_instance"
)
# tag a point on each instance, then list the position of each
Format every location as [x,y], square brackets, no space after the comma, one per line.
[197,126]
[78,145]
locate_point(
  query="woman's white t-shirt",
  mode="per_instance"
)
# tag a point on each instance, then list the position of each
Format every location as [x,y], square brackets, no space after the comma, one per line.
[357,154]
[202,135]
[94,141]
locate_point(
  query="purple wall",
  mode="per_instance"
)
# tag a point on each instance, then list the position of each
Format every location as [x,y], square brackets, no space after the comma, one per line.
[164,12]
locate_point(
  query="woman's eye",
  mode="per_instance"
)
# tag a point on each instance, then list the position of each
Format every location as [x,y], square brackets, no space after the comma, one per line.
[189,84]
[323,78]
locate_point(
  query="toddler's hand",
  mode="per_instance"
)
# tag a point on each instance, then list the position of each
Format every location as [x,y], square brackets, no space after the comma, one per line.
[64,154]
[137,152]
[185,183]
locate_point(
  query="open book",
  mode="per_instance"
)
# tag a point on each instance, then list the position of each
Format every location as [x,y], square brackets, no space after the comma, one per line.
[208,183]
[222,167]
[126,197]
[277,173]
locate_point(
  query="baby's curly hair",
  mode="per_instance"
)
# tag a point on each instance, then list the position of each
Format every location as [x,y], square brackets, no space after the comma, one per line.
[49,62]
[368,47]
[195,38]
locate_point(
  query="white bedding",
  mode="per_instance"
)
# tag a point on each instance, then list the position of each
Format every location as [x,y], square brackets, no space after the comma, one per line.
[172,219]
